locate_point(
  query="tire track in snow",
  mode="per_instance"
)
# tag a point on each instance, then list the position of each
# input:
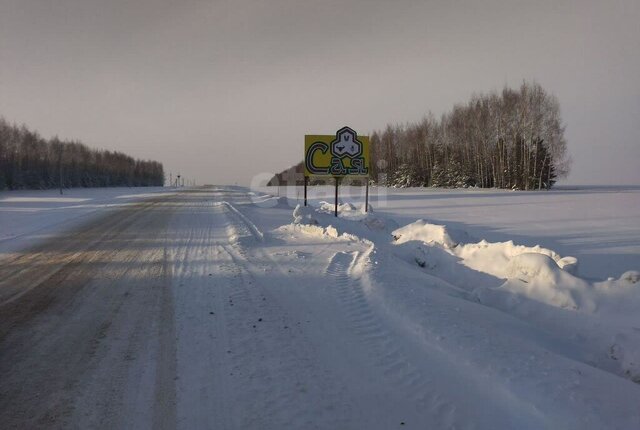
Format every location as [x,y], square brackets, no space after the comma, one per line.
[387,355]
[245,222]
[133,383]
[273,357]
[236,371]
[283,384]
[17,276]
[164,407]
[201,385]
[90,323]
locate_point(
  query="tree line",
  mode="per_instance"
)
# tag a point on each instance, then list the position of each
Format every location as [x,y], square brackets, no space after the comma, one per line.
[509,139]
[28,161]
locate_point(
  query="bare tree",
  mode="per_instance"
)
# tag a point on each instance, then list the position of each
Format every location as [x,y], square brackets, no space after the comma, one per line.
[27,161]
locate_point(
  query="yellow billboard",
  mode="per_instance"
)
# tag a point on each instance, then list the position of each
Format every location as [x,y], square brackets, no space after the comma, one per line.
[342,154]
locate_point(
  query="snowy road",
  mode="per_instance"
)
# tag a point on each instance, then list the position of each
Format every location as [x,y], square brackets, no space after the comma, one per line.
[189,311]
[150,317]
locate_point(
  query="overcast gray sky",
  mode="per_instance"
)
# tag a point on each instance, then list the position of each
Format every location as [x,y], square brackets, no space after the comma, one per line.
[223,90]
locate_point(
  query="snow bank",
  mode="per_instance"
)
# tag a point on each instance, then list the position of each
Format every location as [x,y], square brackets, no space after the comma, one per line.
[351,221]
[605,314]
[422,231]
[536,276]
[499,259]
[516,273]
[496,258]
[535,284]
[501,274]
[305,220]
[304,215]
[632,277]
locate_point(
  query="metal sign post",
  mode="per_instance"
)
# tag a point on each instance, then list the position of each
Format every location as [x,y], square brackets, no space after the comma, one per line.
[344,154]
[366,196]
[335,210]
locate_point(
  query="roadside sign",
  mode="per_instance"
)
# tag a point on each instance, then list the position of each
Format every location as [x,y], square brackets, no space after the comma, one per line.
[340,155]
[344,155]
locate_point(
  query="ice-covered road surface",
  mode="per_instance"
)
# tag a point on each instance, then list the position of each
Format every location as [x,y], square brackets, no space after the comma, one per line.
[190,310]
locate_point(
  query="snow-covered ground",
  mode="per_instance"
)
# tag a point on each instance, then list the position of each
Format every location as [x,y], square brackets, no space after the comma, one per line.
[519,316]
[238,309]
[599,225]
[28,217]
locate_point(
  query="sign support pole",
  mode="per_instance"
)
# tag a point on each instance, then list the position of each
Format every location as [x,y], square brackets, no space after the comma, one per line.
[306,182]
[335,211]
[366,196]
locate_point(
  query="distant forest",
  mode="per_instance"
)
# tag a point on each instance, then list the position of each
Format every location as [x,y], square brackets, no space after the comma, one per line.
[510,139]
[28,161]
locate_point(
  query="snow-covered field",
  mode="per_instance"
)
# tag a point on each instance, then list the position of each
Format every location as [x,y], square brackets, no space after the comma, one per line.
[438,309]
[600,225]
[28,217]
